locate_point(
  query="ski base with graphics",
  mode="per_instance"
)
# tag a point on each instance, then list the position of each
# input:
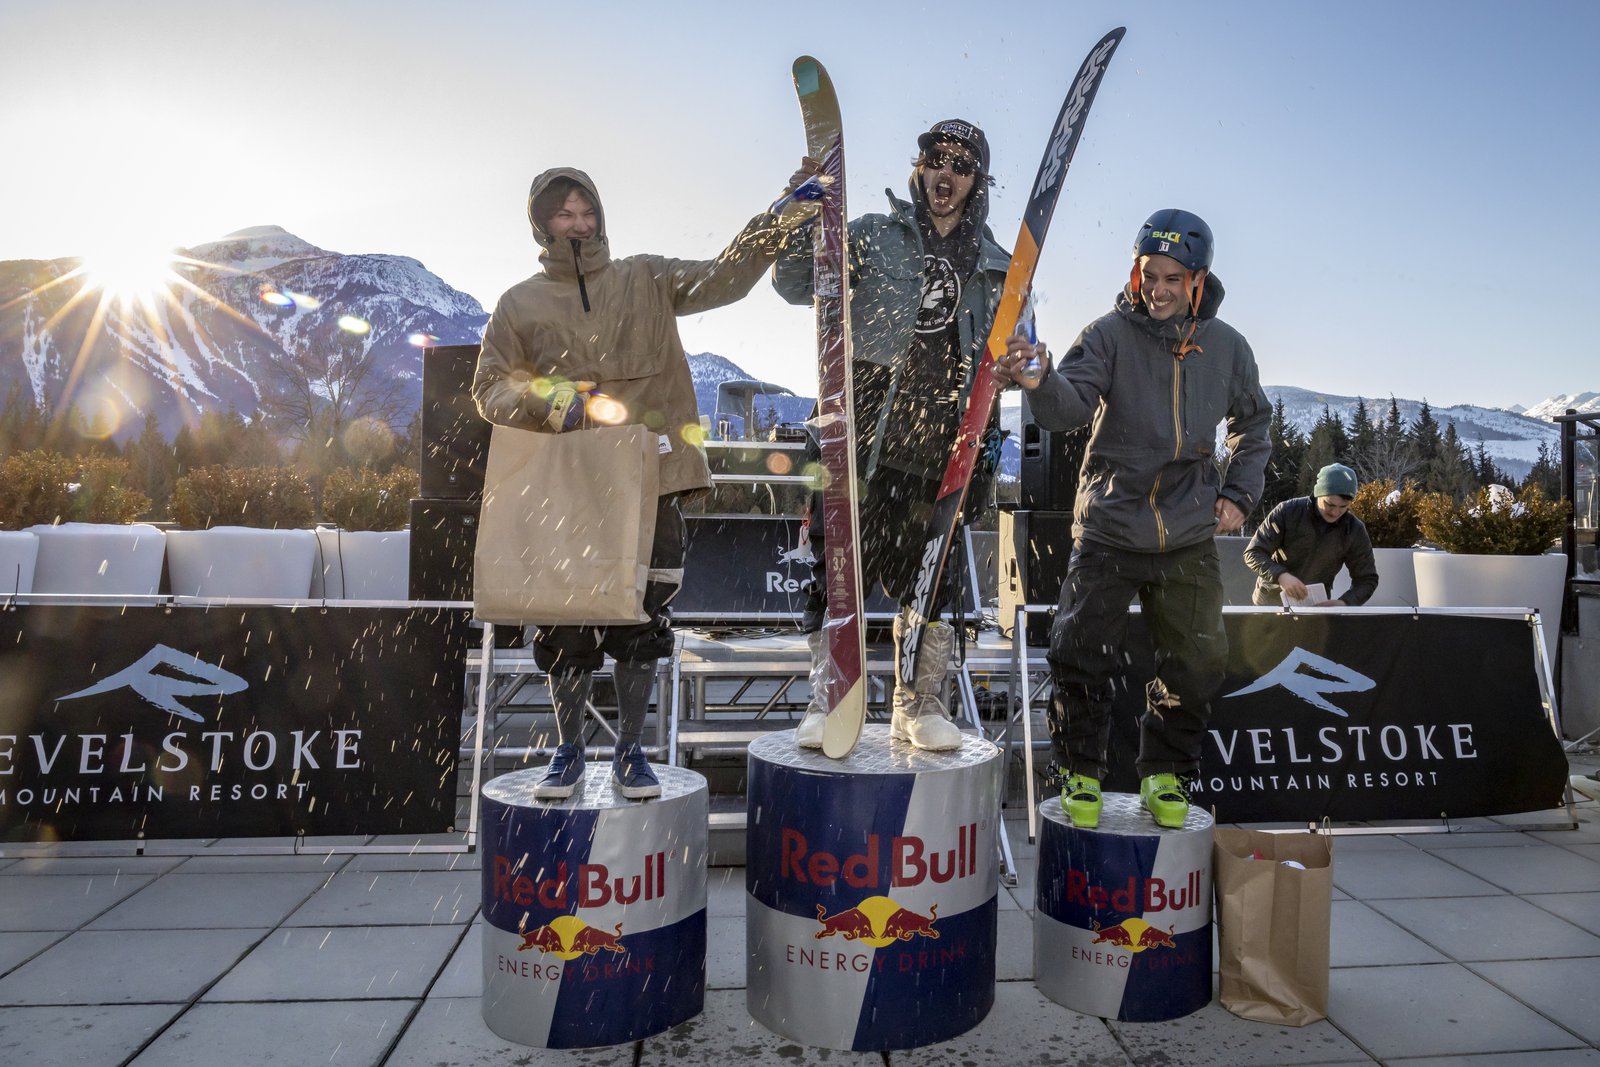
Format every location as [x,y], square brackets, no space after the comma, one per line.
[986,387]
[844,632]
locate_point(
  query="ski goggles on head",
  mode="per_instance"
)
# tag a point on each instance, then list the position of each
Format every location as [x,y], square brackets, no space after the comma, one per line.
[960,163]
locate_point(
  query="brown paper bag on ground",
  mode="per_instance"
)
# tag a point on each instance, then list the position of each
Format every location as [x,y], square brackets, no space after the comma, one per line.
[1273,924]
[566,526]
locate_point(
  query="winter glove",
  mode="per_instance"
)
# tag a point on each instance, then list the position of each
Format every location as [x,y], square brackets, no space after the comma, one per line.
[559,405]
[803,199]
[989,449]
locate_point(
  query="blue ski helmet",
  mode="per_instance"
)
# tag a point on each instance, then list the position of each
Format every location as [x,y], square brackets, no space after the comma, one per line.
[1180,235]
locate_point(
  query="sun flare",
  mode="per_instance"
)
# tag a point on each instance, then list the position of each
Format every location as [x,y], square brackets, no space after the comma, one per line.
[130,273]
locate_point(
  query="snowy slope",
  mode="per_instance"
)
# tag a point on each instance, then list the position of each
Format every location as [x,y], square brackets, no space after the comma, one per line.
[208,345]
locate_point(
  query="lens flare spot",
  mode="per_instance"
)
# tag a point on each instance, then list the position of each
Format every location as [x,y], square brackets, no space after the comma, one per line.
[778,463]
[277,299]
[817,475]
[354,324]
[607,410]
[102,417]
[693,434]
[303,301]
[422,340]
[369,440]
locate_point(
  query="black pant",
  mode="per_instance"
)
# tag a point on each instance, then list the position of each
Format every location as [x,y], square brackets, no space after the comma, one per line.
[893,510]
[564,649]
[1180,594]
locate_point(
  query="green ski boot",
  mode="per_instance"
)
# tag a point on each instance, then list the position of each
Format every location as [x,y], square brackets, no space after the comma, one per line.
[1164,798]
[1080,799]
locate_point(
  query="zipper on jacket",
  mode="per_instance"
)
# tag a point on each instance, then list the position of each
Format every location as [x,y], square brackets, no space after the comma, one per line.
[1177,448]
[1161,527]
[1177,408]
[577,265]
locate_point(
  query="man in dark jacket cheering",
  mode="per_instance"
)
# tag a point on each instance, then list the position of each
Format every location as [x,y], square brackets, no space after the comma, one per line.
[1154,377]
[925,283]
[1306,540]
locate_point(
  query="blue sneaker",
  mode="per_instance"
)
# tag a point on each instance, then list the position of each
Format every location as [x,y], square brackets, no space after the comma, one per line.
[631,774]
[563,775]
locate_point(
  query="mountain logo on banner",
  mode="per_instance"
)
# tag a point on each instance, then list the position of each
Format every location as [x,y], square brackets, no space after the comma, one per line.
[1322,676]
[145,678]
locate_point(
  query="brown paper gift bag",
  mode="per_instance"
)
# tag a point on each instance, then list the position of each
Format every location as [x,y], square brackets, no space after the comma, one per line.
[564,534]
[1273,924]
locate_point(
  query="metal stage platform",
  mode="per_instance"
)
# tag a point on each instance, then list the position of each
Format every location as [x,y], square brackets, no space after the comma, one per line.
[719,692]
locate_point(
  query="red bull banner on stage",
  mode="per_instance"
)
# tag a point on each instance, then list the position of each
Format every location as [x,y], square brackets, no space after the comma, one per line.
[872,887]
[127,722]
[594,908]
[1122,926]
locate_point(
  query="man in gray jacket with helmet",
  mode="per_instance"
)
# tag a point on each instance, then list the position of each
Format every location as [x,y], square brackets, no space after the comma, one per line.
[1153,377]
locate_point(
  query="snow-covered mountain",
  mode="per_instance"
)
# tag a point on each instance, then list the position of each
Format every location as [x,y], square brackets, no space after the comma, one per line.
[770,404]
[1558,405]
[242,302]
[251,297]
[1512,439]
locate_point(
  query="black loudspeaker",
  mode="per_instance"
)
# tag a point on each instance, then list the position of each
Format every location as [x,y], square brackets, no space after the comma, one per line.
[1035,548]
[455,438]
[1050,463]
[744,569]
[444,534]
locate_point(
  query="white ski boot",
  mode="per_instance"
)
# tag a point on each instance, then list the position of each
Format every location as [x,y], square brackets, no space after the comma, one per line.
[809,733]
[920,716]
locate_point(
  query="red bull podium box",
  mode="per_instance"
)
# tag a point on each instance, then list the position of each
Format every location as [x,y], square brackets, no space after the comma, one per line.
[594,908]
[871,891]
[1122,927]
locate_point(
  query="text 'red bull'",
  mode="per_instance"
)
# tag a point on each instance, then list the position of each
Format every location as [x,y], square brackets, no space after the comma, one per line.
[1139,895]
[594,887]
[910,861]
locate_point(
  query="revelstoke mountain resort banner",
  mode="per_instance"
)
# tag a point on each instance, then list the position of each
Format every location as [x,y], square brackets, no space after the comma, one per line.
[119,723]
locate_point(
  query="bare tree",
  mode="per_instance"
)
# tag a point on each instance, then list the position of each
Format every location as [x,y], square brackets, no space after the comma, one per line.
[327,398]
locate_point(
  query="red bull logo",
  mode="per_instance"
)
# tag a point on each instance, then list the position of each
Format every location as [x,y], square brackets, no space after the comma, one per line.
[877,921]
[567,937]
[911,861]
[1137,895]
[594,887]
[1136,935]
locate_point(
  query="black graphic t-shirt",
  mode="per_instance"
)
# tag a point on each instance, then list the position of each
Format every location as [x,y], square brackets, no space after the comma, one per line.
[925,409]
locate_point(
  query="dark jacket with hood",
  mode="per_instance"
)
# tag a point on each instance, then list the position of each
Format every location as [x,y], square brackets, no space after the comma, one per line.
[1295,538]
[1149,481]
[588,317]
[886,265]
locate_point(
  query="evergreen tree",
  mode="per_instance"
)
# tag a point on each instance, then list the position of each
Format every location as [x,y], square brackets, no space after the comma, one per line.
[1488,471]
[1392,458]
[153,466]
[1546,473]
[22,423]
[1283,466]
[186,451]
[1427,450]
[221,438]
[1328,444]
[1455,472]
[1363,452]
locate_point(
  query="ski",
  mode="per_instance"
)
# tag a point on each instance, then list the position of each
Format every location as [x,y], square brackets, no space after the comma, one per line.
[844,632]
[986,388]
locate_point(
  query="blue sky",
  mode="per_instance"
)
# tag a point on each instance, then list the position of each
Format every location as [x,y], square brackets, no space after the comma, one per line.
[1392,185]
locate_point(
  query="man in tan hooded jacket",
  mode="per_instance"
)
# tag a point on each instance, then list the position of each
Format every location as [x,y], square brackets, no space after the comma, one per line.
[590,340]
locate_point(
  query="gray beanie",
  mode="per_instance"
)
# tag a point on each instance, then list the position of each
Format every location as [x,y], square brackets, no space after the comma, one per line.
[1335,480]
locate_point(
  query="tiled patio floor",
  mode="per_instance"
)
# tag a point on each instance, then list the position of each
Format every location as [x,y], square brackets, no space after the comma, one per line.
[1470,949]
